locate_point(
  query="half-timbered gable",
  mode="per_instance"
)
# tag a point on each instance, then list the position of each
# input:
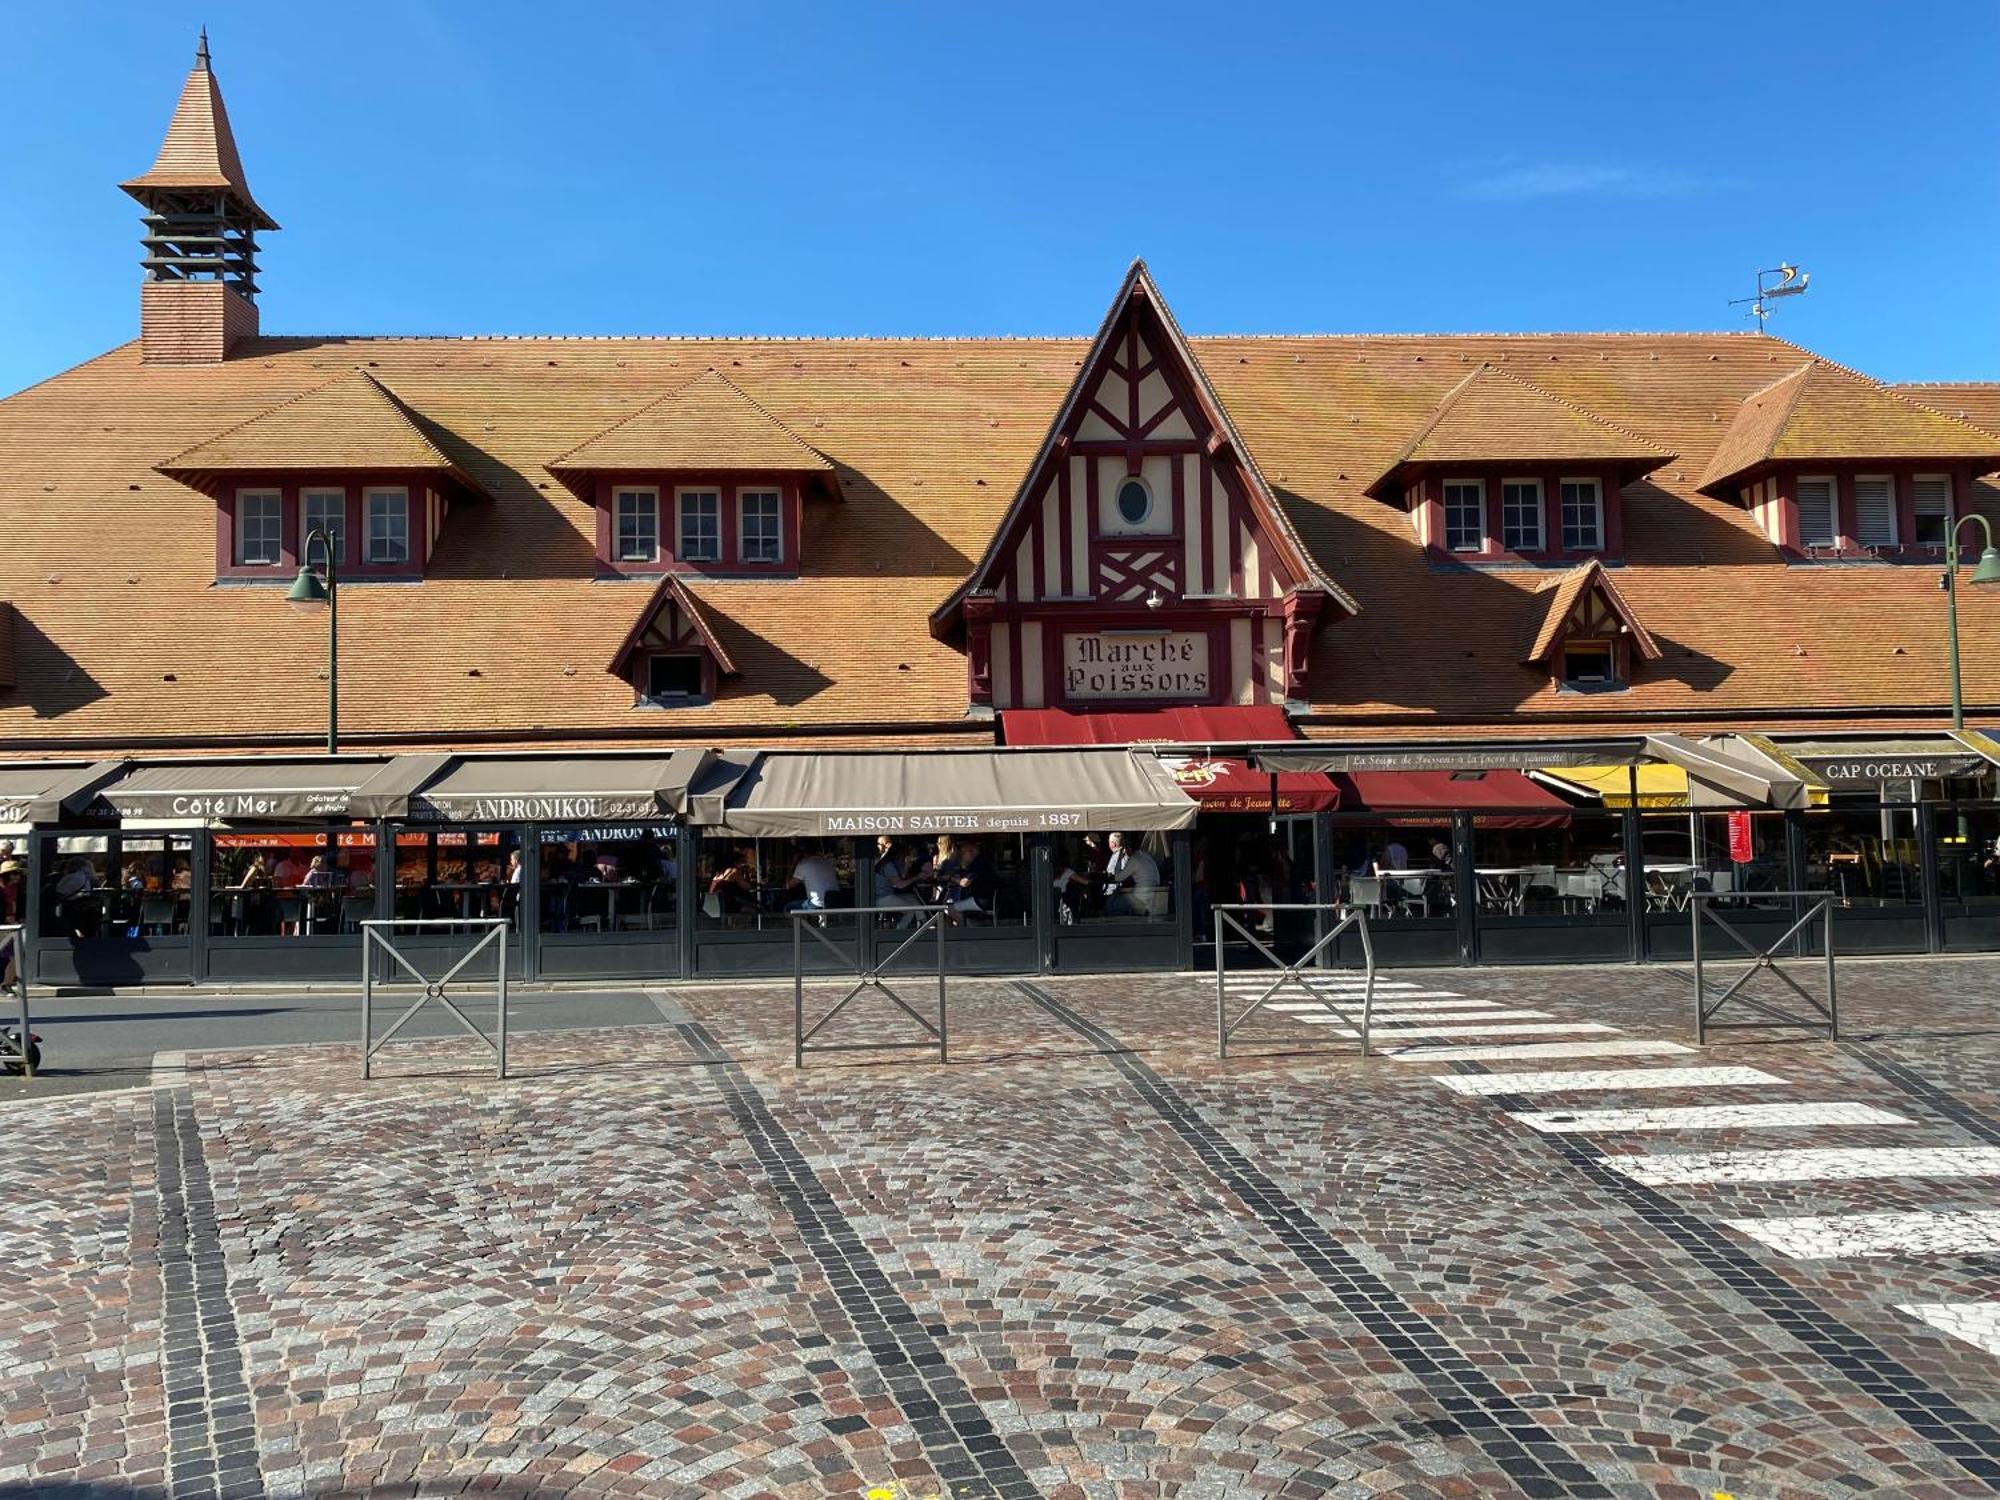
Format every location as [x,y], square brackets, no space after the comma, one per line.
[1588,636]
[673,654]
[1144,559]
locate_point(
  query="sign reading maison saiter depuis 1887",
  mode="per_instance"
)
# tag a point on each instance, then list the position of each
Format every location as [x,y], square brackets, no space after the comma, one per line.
[1149,664]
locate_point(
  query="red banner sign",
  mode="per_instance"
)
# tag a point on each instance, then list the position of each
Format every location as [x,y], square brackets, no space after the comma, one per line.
[1742,848]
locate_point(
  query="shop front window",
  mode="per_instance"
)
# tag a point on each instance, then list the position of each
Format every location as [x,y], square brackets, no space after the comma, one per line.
[1535,867]
[1968,856]
[609,879]
[1113,875]
[1867,857]
[458,874]
[750,884]
[982,879]
[318,883]
[1400,869]
[111,886]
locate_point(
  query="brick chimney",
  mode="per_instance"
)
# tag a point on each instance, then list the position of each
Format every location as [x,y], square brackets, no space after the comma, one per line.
[200,294]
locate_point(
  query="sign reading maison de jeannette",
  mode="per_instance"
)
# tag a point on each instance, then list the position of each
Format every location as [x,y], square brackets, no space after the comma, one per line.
[1169,664]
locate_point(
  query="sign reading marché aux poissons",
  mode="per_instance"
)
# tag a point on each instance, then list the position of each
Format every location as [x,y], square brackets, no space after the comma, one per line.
[1108,664]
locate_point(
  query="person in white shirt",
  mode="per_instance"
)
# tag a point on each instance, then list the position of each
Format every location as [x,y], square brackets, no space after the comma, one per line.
[814,873]
[1130,878]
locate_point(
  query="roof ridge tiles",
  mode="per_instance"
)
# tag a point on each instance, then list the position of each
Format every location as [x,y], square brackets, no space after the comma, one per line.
[1266,336]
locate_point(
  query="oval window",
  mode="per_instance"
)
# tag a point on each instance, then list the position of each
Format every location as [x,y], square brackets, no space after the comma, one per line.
[1135,501]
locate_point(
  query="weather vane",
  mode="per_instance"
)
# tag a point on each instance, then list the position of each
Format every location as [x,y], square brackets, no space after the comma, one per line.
[1790,283]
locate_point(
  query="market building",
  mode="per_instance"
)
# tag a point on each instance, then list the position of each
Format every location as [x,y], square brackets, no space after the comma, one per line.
[1515,640]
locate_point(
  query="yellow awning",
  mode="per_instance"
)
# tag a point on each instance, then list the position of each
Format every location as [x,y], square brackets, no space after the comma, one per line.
[1659,786]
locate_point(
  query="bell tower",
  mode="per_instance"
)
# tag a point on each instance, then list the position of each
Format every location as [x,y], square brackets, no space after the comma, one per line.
[200,293]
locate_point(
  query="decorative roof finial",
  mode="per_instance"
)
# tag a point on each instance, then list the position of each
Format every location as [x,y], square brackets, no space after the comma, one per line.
[201,52]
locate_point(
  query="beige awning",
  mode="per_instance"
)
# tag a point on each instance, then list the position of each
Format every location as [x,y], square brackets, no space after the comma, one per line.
[1446,755]
[1866,764]
[1729,772]
[259,788]
[988,791]
[560,788]
[43,793]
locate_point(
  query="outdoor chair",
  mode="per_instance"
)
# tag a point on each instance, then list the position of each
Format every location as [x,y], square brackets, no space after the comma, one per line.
[1365,891]
[157,915]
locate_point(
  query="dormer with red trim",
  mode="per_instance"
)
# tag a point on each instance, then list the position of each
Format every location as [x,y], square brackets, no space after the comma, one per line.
[673,656]
[703,480]
[1589,638]
[1143,561]
[349,458]
[1835,467]
[1502,471]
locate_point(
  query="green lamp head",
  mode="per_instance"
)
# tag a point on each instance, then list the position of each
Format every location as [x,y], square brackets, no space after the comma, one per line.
[309,593]
[1987,574]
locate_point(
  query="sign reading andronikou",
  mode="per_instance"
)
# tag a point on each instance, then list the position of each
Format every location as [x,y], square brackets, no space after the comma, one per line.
[591,807]
[1115,665]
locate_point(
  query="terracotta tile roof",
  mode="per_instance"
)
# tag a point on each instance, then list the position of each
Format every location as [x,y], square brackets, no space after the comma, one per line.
[6,645]
[1494,416]
[1566,591]
[351,422]
[1819,411]
[1974,401]
[136,646]
[200,149]
[709,423]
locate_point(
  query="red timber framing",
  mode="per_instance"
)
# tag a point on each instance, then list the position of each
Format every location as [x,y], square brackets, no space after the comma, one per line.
[427,504]
[1586,611]
[1144,561]
[671,624]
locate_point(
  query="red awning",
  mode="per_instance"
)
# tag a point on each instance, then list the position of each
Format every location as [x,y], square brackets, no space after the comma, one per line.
[1224,724]
[1509,792]
[1218,783]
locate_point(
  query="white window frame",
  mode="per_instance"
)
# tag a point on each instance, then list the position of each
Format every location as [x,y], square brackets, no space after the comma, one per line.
[369,496]
[1832,484]
[619,495]
[1541,541]
[339,497]
[1895,523]
[708,491]
[239,555]
[1478,487]
[1597,506]
[744,496]
[1916,516]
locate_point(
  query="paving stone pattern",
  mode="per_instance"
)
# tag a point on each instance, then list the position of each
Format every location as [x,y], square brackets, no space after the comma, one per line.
[1085,1261]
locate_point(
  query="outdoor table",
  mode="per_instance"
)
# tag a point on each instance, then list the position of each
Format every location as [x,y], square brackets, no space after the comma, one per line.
[1670,887]
[1428,876]
[1505,886]
[1585,883]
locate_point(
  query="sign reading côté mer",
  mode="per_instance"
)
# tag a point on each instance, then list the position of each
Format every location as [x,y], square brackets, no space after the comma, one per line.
[1112,664]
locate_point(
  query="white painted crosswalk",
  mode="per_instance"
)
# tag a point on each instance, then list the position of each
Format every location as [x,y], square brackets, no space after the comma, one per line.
[1602,1080]
[1915,1233]
[1707,1117]
[1479,1026]
[1809,1164]
[1624,1046]
[1402,1023]
[1975,1322]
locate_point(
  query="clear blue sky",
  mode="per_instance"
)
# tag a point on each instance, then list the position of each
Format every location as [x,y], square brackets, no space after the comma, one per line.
[736,167]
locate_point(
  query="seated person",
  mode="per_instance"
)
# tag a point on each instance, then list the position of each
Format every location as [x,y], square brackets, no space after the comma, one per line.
[1131,876]
[1080,886]
[892,885]
[815,875]
[971,885]
[732,890]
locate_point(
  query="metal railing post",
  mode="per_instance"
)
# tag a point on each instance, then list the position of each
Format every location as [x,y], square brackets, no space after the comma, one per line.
[866,971]
[1696,909]
[1287,973]
[438,989]
[367,996]
[1221,1001]
[1806,908]
[12,940]
[1832,993]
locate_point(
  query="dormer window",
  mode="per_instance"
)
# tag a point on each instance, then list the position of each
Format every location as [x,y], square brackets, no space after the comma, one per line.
[760,526]
[1930,509]
[260,528]
[673,655]
[1589,666]
[1587,637]
[675,678]
[1818,512]
[1582,515]
[1464,515]
[700,528]
[388,527]
[324,511]
[638,525]
[1521,514]
[1875,510]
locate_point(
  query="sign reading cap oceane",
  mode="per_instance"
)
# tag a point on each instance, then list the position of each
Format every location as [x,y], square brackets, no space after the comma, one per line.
[1139,664]
[1862,770]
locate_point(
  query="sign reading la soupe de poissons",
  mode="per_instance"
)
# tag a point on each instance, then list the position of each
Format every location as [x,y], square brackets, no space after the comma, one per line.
[1110,664]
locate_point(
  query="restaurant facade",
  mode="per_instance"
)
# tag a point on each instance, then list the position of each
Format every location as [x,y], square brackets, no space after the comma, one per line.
[1517,642]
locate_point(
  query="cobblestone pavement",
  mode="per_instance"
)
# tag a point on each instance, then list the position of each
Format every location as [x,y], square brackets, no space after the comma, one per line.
[1086,1259]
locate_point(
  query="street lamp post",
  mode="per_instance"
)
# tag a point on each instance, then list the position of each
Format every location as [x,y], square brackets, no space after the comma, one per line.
[308,593]
[1986,576]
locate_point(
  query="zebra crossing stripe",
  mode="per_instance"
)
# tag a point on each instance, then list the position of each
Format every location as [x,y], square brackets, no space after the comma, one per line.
[1707,1117]
[1975,1322]
[1834,1236]
[1610,1080]
[1624,1046]
[1808,1164]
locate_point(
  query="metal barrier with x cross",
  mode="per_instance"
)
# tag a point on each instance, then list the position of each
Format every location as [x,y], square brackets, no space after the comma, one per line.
[1765,960]
[1289,974]
[865,977]
[374,937]
[14,963]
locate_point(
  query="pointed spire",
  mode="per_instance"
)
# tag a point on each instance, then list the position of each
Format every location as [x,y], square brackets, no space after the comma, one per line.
[199,151]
